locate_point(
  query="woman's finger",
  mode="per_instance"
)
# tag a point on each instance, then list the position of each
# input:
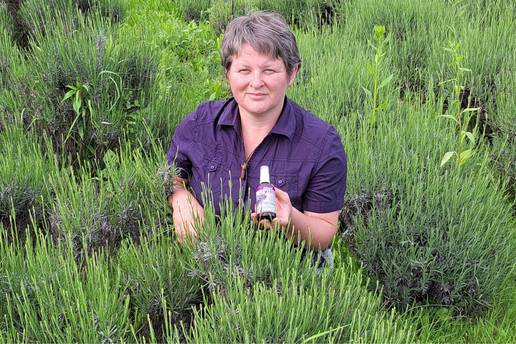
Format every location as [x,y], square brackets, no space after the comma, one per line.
[254,218]
[282,195]
[265,224]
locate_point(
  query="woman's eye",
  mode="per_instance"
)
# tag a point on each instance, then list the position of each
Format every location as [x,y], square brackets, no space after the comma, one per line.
[243,71]
[269,71]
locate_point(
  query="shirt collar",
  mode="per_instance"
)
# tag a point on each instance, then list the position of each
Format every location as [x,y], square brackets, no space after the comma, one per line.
[285,125]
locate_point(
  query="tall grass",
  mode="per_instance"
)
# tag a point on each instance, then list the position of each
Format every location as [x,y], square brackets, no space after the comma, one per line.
[237,262]
[335,92]
[41,17]
[422,211]
[416,31]
[8,51]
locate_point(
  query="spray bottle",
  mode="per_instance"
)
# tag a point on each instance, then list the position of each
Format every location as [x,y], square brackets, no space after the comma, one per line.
[265,196]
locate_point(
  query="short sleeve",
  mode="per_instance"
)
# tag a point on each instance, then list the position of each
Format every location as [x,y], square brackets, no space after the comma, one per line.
[327,184]
[181,146]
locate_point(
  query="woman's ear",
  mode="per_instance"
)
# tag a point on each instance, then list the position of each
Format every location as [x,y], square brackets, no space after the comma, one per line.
[292,75]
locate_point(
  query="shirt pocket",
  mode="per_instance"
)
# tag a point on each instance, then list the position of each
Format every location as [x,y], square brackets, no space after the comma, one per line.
[289,184]
[216,177]
[212,168]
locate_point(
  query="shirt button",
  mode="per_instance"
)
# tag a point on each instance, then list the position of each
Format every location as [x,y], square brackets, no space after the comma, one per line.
[212,167]
[281,182]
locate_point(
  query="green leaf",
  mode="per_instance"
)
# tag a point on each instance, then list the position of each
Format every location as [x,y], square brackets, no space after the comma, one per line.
[445,82]
[320,334]
[90,107]
[386,81]
[446,157]
[451,117]
[367,92]
[470,136]
[462,69]
[68,94]
[77,103]
[470,109]
[465,156]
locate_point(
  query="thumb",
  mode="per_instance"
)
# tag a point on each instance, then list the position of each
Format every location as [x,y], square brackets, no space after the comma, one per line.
[282,195]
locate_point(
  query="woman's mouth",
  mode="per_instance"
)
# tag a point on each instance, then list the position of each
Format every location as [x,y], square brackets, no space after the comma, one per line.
[257,95]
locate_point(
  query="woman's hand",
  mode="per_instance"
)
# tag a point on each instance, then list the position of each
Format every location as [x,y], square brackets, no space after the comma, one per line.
[316,229]
[187,212]
[283,212]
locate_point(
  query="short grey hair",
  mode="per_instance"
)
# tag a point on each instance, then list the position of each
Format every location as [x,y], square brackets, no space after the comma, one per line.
[268,33]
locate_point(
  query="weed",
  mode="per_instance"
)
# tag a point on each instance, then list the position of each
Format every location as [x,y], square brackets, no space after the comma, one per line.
[374,71]
[466,140]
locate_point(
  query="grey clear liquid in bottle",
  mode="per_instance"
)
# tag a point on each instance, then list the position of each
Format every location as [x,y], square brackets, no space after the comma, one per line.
[265,196]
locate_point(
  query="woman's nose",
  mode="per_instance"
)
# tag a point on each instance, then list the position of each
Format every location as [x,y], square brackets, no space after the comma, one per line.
[256,80]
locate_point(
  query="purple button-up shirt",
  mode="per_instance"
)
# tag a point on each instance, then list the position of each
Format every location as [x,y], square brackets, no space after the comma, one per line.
[304,154]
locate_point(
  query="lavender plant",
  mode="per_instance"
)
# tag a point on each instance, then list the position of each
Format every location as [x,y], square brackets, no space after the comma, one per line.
[50,300]
[24,196]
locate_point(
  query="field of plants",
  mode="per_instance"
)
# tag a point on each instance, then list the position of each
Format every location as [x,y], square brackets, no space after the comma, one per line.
[422,94]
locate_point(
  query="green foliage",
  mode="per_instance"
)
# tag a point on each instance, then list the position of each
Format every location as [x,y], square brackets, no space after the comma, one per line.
[112,82]
[40,17]
[466,140]
[222,11]
[10,56]
[5,19]
[194,9]
[123,201]
[415,29]
[373,70]
[298,13]
[189,69]
[303,13]
[331,90]
[236,261]
[51,300]
[448,238]
[159,285]
[277,313]
[23,170]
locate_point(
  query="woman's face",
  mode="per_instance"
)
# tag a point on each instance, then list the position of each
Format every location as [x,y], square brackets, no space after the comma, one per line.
[258,82]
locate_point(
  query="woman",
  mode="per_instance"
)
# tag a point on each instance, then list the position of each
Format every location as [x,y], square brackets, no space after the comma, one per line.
[226,142]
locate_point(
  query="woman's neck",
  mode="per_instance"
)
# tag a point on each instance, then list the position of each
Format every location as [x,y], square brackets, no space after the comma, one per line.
[255,129]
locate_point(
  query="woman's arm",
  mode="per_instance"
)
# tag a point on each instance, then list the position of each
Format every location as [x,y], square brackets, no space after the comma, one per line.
[186,210]
[315,229]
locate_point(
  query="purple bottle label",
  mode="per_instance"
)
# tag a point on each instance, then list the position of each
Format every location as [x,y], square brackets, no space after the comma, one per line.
[265,199]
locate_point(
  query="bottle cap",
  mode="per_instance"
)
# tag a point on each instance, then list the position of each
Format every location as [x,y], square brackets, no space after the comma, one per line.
[264,174]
